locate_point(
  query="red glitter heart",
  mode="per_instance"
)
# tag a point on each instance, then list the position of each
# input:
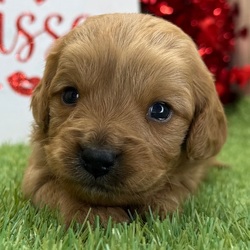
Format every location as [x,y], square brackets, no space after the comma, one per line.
[21,84]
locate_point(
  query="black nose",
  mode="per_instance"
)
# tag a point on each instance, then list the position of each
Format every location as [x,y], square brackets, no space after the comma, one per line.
[98,162]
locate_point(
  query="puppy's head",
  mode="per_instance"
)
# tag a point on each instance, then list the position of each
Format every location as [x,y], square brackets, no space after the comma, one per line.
[122,99]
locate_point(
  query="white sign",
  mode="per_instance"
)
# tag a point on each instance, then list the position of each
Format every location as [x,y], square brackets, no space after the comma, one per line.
[27,30]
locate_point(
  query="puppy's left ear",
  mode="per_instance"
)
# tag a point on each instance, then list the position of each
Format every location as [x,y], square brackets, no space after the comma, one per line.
[208,130]
[40,97]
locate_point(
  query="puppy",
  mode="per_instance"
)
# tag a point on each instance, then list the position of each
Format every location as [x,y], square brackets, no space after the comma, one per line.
[126,118]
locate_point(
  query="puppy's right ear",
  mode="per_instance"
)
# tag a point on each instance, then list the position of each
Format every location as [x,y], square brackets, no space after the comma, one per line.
[208,131]
[40,96]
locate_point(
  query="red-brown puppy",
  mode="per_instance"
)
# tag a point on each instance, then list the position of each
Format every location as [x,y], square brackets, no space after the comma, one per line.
[126,117]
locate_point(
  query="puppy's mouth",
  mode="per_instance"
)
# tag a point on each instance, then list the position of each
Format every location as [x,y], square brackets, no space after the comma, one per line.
[109,187]
[100,170]
[111,174]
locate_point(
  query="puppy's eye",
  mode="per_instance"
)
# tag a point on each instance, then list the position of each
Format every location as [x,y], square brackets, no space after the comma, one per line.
[159,111]
[70,95]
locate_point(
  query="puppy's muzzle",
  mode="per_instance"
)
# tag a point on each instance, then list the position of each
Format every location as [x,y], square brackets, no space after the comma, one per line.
[98,162]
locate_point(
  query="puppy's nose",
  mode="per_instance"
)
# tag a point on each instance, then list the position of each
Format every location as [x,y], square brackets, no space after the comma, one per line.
[98,162]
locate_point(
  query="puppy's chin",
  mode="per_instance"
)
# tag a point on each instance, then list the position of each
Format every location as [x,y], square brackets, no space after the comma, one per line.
[130,179]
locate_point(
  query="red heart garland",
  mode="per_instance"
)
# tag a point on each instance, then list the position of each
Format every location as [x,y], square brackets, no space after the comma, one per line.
[21,84]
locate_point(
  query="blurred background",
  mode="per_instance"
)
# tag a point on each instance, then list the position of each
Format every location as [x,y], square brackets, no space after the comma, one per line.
[220,28]
[241,57]
[242,45]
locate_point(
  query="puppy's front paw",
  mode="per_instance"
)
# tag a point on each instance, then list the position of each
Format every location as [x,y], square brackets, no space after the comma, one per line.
[154,210]
[82,213]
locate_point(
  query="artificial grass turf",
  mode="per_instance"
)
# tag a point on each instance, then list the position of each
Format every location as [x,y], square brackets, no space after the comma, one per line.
[217,217]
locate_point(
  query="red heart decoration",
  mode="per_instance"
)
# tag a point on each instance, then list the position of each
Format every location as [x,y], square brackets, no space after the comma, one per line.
[39,1]
[21,84]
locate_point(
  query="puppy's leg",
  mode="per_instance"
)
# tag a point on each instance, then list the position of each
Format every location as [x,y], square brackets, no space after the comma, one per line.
[44,190]
[172,196]
[81,212]
[162,204]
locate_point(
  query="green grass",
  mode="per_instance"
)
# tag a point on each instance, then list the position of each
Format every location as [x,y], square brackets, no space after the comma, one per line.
[218,217]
